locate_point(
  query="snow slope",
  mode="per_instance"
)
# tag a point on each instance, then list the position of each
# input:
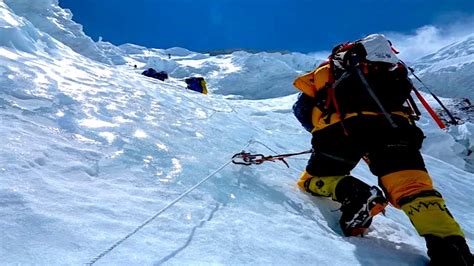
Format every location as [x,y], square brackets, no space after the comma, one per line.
[448,72]
[242,74]
[92,150]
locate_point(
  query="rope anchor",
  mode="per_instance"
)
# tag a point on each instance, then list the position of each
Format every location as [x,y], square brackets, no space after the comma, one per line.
[246,158]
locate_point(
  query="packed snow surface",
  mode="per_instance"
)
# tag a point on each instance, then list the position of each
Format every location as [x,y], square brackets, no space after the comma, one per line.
[92,149]
[449,72]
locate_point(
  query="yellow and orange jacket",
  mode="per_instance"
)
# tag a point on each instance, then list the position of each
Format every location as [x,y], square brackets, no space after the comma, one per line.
[314,81]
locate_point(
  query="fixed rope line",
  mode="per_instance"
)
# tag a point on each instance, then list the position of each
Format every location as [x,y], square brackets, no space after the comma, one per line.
[214,111]
[272,150]
[149,220]
[232,109]
[193,101]
[265,145]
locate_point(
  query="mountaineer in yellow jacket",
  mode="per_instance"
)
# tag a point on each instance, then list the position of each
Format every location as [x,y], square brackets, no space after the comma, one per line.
[196,84]
[355,107]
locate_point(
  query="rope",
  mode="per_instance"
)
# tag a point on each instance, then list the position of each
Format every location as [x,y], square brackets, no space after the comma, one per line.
[266,146]
[149,220]
[272,150]
[213,110]
[453,119]
[191,100]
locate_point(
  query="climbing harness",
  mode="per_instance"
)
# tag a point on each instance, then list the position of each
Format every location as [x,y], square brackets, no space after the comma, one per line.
[246,158]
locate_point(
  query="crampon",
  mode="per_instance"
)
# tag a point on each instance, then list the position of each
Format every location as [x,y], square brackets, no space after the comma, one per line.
[357,222]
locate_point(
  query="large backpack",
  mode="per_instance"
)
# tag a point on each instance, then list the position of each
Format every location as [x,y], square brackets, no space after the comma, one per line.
[362,76]
[149,73]
[162,75]
[365,75]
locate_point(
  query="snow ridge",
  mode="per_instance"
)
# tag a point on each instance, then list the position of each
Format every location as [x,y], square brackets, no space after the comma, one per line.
[448,72]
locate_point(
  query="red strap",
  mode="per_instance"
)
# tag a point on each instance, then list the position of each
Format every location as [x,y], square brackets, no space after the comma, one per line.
[429,109]
[331,95]
[331,73]
[332,98]
[365,68]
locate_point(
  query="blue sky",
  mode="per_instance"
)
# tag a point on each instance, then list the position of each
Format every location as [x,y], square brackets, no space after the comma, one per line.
[294,25]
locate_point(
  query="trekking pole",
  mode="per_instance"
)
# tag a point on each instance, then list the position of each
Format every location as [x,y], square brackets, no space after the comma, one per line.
[246,158]
[453,119]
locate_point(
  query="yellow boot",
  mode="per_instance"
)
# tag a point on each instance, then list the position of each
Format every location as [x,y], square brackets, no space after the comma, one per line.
[319,186]
[444,237]
[430,216]
[413,192]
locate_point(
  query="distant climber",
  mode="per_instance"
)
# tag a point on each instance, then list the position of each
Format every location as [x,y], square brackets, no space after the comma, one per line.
[196,84]
[162,75]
